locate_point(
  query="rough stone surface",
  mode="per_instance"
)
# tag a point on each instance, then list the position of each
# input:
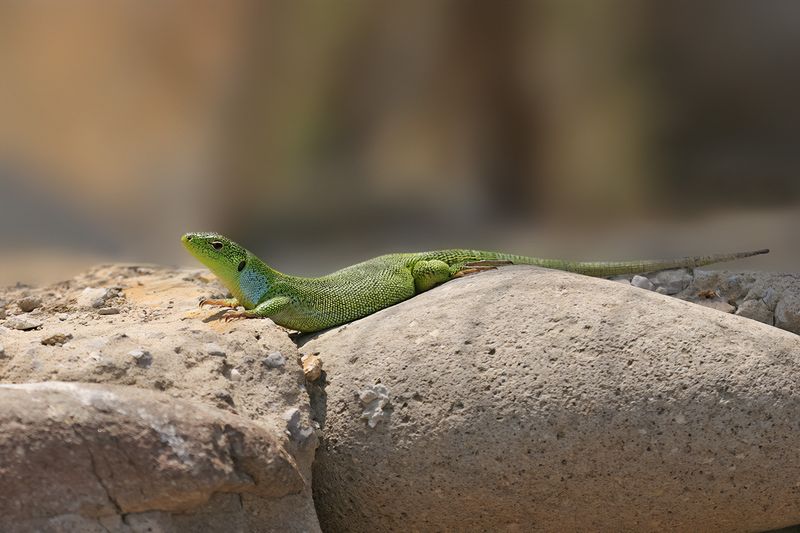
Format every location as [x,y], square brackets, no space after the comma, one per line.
[787,313]
[158,343]
[771,298]
[125,450]
[523,399]
[756,310]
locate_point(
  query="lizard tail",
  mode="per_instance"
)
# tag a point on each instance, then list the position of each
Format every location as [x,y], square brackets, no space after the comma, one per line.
[614,268]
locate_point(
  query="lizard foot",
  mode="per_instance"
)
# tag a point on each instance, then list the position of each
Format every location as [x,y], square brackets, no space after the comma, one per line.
[227,302]
[489,263]
[472,270]
[235,315]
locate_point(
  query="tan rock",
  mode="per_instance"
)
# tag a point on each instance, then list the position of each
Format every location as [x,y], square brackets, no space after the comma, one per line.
[524,399]
[123,450]
[160,342]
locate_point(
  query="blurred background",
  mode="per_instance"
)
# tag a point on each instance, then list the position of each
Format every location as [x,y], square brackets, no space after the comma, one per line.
[318,133]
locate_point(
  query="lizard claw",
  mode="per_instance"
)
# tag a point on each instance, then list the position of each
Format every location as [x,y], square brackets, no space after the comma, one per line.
[234,315]
[215,303]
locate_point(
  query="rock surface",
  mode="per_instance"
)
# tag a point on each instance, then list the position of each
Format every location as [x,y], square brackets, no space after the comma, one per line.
[523,399]
[767,297]
[126,451]
[160,343]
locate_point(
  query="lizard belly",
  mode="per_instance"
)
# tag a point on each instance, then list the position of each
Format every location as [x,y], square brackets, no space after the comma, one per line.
[333,300]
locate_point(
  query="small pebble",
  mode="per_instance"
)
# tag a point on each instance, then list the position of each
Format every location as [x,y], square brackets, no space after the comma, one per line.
[108,311]
[671,281]
[142,357]
[93,297]
[236,375]
[312,367]
[62,316]
[29,304]
[642,282]
[274,360]
[22,323]
[374,398]
[59,339]
[2,350]
[214,349]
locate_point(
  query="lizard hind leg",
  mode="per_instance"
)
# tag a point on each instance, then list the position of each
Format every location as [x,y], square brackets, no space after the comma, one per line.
[428,274]
[473,267]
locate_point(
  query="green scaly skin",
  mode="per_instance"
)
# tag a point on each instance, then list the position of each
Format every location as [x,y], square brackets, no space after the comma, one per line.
[313,304]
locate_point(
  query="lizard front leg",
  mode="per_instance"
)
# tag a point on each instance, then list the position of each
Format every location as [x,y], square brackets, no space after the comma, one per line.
[265,309]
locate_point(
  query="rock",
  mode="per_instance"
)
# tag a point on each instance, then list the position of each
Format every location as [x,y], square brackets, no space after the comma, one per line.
[716,303]
[643,283]
[671,281]
[152,348]
[756,294]
[374,399]
[214,349]
[141,357]
[756,310]
[787,312]
[108,311]
[578,404]
[2,350]
[312,367]
[93,297]
[105,452]
[29,304]
[22,323]
[59,339]
[274,360]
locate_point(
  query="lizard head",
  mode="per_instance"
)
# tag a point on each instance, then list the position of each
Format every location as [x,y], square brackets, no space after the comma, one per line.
[222,256]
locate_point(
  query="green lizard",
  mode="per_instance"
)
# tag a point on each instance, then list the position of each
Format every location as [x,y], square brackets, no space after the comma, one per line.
[313,304]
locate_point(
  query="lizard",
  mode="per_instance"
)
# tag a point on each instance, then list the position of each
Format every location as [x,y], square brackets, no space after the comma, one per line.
[307,304]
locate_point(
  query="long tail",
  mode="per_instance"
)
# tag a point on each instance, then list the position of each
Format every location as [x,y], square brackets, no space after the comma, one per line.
[614,268]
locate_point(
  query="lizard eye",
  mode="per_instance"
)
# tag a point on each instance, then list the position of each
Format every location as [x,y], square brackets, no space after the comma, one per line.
[217,245]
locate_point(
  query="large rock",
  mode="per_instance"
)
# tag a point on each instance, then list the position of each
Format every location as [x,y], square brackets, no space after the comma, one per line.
[148,333]
[123,452]
[524,399]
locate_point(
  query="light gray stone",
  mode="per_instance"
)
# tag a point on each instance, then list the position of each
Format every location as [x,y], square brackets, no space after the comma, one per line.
[23,323]
[643,283]
[787,312]
[756,310]
[93,297]
[598,407]
[757,295]
[214,349]
[671,281]
[275,360]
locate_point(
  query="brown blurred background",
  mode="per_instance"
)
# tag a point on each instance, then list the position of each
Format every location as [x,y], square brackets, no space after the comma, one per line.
[319,133]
